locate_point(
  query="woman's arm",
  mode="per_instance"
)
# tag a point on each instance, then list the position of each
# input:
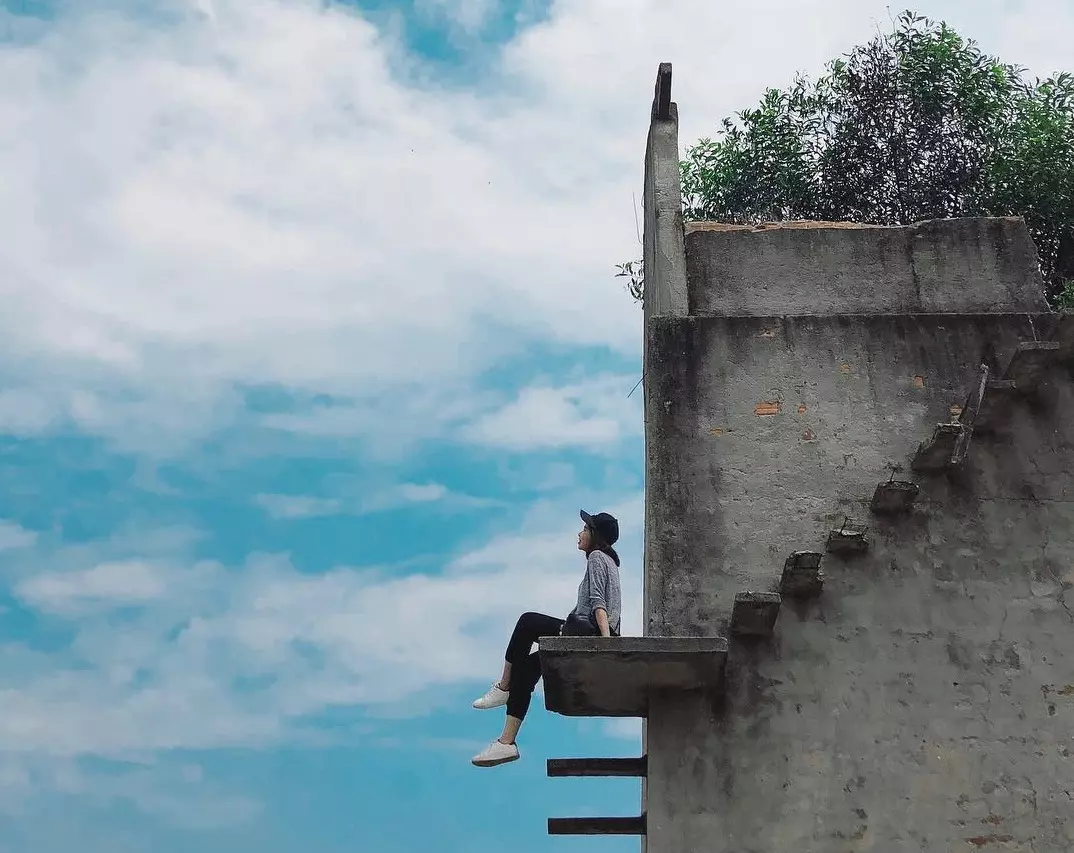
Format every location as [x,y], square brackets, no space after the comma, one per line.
[598,585]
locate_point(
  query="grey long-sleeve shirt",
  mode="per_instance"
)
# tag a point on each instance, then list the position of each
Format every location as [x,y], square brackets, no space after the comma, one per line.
[600,588]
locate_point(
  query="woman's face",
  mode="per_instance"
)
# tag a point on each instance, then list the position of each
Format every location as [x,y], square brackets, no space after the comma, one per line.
[584,538]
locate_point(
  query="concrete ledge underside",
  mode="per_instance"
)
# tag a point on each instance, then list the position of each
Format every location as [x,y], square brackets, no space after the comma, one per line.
[615,676]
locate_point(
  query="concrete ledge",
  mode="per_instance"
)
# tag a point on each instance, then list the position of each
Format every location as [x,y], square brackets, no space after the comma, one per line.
[563,767]
[614,676]
[596,825]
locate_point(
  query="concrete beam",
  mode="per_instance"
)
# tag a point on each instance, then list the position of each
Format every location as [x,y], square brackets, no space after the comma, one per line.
[755,614]
[662,94]
[615,676]
[596,825]
[563,767]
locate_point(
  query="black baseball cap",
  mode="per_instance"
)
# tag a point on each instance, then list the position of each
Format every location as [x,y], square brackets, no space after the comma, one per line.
[606,526]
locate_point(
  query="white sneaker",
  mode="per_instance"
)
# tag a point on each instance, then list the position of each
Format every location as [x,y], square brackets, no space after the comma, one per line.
[496,753]
[493,699]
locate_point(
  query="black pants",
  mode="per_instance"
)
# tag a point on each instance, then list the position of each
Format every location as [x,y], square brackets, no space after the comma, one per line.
[526,667]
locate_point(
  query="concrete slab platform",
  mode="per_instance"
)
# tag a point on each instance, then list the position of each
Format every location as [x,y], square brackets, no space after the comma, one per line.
[614,676]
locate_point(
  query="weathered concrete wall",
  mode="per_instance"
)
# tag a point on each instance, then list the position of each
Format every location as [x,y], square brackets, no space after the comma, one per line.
[664,253]
[766,429]
[926,700]
[664,258]
[950,265]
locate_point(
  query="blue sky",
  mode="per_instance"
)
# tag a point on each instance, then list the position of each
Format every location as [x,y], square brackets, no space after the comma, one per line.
[310,353]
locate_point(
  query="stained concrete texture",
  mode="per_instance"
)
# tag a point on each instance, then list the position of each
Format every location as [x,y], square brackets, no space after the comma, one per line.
[766,432]
[952,265]
[665,265]
[617,676]
[925,699]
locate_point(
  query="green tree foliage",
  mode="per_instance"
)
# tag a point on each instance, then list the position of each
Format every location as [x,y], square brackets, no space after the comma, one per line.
[916,124]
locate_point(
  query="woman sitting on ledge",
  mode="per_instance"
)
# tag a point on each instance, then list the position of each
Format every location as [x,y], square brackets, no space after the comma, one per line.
[597,613]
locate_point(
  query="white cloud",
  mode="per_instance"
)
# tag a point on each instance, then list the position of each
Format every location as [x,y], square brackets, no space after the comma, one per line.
[13,536]
[105,586]
[625,728]
[424,494]
[175,791]
[469,16]
[365,500]
[209,657]
[270,192]
[594,414]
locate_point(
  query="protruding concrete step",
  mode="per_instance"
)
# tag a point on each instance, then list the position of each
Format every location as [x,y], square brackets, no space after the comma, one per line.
[1029,362]
[941,451]
[755,613]
[596,825]
[894,497]
[802,577]
[846,540]
[614,676]
[999,397]
[561,767]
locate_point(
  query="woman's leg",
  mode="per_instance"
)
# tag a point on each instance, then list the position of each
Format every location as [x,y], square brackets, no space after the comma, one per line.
[524,678]
[524,673]
[528,628]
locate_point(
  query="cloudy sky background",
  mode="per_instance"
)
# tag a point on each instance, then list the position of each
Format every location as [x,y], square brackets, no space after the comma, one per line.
[310,351]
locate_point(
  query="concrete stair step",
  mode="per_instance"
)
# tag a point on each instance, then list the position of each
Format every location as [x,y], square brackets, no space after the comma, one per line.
[894,497]
[754,614]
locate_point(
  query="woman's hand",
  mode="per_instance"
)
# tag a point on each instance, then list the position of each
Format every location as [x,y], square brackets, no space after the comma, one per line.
[602,621]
